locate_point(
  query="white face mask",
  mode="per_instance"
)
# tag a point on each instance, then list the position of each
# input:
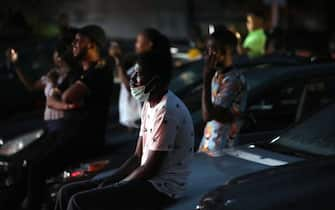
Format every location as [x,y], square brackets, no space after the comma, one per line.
[139,93]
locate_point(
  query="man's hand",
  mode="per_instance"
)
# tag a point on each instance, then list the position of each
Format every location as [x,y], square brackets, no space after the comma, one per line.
[71,106]
[210,65]
[12,55]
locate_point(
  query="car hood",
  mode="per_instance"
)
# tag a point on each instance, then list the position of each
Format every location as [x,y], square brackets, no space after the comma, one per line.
[20,125]
[207,173]
[301,185]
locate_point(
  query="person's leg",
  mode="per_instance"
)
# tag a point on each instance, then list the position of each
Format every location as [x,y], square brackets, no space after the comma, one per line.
[53,157]
[131,195]
[67,191]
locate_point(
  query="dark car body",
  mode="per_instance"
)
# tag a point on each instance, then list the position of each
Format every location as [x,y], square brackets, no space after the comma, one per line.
[302,180]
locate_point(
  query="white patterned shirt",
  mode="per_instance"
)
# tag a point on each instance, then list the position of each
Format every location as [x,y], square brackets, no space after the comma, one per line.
[168,127]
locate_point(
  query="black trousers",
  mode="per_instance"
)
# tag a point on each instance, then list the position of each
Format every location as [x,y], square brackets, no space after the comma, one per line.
[85,195]
[59,151]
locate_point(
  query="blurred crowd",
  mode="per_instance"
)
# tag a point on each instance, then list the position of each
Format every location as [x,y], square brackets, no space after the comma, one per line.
[77,91]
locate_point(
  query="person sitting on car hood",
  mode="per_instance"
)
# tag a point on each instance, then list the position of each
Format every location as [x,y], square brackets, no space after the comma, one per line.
[157,172]
[222,96]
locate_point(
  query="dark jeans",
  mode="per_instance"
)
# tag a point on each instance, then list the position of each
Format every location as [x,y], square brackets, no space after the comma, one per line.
[60,150]
[54,125]
[85,195]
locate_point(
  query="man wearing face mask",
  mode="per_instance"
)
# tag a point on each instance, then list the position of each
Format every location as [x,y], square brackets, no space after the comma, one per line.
[129,108]
[223,95]
[156,174]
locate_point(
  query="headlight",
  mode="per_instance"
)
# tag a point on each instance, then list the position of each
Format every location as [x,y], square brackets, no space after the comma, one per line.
[17,144]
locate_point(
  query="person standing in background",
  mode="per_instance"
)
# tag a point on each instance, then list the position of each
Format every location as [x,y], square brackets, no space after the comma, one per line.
[223,94]
[129,108]
[254,43]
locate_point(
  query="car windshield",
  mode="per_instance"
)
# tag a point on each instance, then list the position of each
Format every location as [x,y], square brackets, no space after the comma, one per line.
[314,136]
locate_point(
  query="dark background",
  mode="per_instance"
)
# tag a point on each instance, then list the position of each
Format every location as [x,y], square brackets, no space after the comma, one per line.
[309,23]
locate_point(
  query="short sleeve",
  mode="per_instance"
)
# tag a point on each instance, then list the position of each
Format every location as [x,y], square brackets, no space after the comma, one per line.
[229,89]
[164,132]
[255,43]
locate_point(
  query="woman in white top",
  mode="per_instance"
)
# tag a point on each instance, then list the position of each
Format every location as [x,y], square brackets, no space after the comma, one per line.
[55,108]
[129,108]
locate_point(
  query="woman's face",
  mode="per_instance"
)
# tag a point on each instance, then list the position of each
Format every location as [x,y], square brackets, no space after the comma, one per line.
[57,59]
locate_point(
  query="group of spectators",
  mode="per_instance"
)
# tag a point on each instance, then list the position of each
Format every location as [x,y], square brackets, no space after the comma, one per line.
[78,91]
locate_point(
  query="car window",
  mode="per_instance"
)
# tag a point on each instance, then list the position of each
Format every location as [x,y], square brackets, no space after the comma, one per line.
[318,93]
[275,109]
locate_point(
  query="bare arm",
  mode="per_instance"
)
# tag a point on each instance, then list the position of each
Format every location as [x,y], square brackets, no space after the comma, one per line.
[75,93]
[28,84]
[127,167]
[150,168]
[122,74]
[56,103]
[209,110]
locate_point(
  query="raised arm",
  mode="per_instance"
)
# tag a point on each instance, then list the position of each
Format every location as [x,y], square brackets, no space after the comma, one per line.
[209,110]
[28,84]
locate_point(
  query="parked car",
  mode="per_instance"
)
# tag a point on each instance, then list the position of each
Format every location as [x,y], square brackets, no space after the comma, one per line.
[294,102]
[303,178]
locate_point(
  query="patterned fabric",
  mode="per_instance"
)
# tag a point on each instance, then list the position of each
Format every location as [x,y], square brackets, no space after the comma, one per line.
[168,127]
[227,92]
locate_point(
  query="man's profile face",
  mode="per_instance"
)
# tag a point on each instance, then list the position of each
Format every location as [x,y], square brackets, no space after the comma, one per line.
[56,59]
[143,44]
[80,45]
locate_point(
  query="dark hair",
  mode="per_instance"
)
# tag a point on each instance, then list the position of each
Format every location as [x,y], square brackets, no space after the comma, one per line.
[159,41]
[225,39]
[153,35]
[156,64]
[65,53]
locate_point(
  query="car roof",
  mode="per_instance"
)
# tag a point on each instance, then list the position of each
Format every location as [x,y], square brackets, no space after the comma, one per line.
[258,79]
[272,59]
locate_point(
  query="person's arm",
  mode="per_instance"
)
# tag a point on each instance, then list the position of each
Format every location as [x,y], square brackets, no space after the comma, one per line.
[150,168]
[28,84]
[55,103]
[209,110]
[127,167]
[75,93]
[164,133]
[122,73]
